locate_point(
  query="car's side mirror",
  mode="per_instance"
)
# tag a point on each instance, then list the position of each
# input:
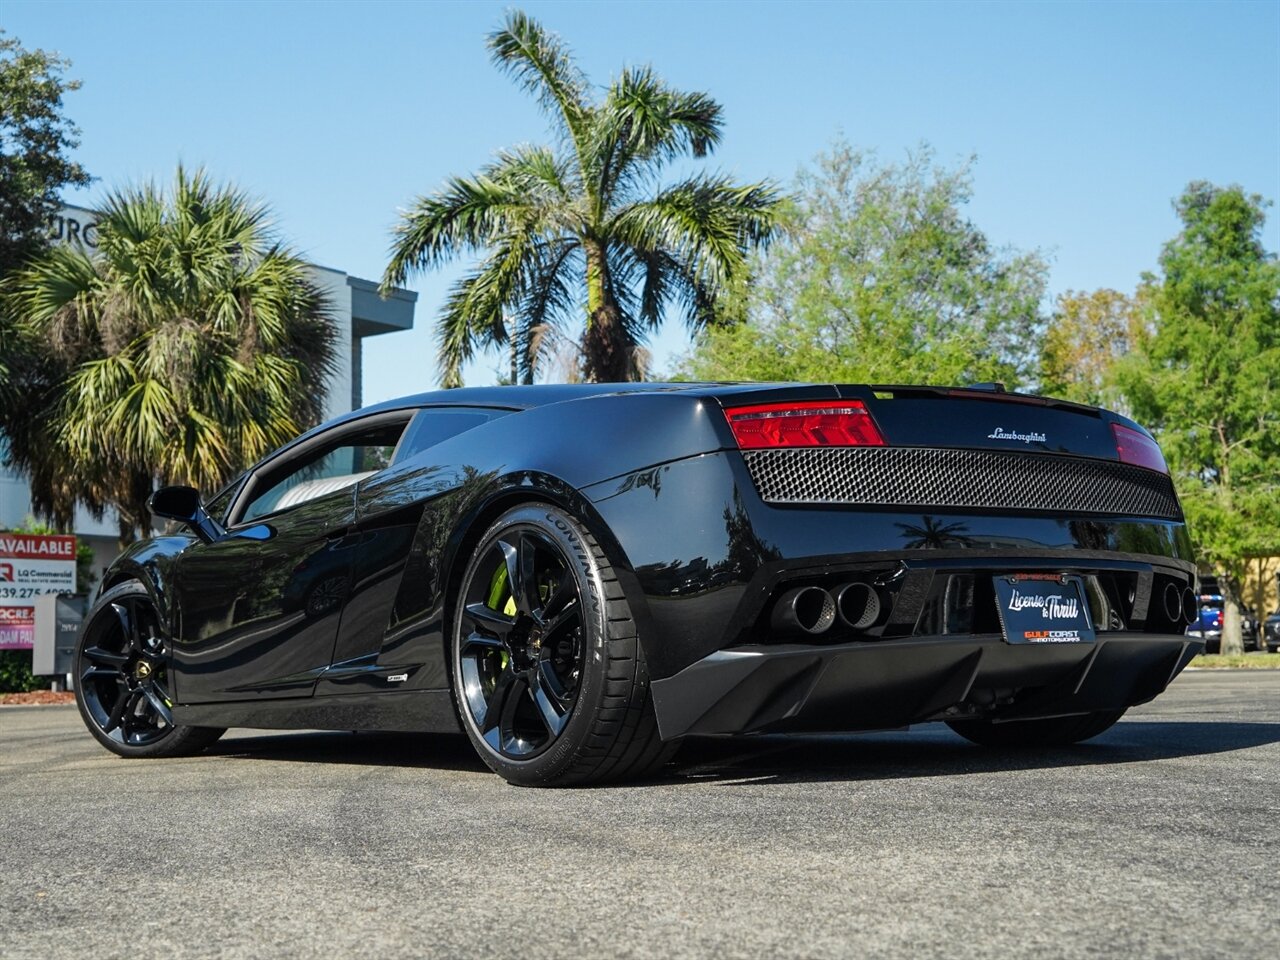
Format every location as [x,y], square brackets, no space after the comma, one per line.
[183,504]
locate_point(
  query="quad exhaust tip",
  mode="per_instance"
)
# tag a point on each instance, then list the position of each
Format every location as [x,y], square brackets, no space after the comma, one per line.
[857,605]
[814,610]
[1180,605]
[1190,605]
[805,609]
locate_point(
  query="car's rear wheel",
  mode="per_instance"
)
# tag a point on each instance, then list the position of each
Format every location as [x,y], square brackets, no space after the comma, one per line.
[1052,732]
[548,673]
[122,679]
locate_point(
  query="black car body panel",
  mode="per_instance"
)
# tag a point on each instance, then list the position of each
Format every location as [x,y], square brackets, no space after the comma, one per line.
[334,613]
[811,687]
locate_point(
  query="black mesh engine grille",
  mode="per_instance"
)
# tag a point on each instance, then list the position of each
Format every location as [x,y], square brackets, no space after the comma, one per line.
[936,477]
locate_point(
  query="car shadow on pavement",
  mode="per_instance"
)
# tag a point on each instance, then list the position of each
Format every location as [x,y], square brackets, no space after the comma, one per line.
[428,750]
[924,752]
[936,751]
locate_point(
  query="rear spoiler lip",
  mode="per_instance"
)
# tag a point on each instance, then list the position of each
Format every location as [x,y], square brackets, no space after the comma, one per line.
[985,393]
[751,393]
[748,393]
[982,393]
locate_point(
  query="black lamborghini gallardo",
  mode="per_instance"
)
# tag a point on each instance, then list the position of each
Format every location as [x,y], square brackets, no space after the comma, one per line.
[580,576]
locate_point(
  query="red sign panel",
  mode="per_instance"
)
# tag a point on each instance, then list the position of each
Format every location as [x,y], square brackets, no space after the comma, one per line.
[30,546]
[17,628]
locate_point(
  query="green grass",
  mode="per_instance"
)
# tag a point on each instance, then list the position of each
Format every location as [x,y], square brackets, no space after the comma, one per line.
[1238,661]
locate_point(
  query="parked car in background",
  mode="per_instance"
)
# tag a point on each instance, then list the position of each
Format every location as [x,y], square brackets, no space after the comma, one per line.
[1271,631]
[1208,625]
[1249,633]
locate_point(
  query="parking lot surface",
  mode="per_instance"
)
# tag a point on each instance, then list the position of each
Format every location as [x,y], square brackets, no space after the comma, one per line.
[1159,839]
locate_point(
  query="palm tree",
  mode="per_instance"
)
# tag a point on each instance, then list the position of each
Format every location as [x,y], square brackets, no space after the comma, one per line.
[187,347]
[932,533]
[586,227]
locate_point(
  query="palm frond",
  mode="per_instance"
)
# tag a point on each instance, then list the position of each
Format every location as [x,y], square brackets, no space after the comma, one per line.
[475,312]
[642,125]
[466,216]
[541,63]
[706,223]
[546,179]
[62,280]
[197,452]
[549,291]
[655,120]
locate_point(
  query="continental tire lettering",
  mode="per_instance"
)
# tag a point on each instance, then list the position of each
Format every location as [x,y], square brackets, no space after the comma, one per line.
[584,559]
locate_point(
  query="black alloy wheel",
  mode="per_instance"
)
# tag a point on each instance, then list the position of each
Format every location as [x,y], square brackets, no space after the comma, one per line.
[521,649]
[548,673]
[122,674]
[122,679]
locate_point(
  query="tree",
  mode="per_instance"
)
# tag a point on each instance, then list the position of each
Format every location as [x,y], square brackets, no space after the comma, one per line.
[1205,375]
[581,228]
[1088,333]
[190,345]
[882,279]
[35,139]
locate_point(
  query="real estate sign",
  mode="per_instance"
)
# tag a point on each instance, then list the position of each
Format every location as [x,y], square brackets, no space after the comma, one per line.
[31,565]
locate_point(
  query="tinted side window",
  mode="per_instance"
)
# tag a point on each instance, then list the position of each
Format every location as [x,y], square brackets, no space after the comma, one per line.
[430,427]
[221,503]
[322,471]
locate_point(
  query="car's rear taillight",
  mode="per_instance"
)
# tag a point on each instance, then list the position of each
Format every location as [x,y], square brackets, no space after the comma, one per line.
[1138,449]
[807,423]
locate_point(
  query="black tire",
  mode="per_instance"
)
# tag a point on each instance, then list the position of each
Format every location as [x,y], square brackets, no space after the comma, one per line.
[121,671]
[1053,732]
[549,697]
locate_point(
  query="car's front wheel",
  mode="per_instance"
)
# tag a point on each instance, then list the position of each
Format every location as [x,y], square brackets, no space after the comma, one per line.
[122,681]
[548,673]
[1051,732]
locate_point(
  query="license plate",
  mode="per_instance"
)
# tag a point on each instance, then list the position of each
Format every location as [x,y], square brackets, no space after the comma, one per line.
[1043,608]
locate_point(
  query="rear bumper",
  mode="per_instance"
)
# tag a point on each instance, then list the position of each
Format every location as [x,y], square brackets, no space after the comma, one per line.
[893,683]
[700,555]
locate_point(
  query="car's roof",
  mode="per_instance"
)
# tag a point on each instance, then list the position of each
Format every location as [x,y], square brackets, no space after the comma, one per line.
[524,397]
[529,396]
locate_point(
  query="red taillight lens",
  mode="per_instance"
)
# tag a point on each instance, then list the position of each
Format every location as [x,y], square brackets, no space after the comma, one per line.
[1138,449]
[809,423]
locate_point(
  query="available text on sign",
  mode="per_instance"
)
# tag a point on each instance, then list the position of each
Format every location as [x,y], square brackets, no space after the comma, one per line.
[31,565]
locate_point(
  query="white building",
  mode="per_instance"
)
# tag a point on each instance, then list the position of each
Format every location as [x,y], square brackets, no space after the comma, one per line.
[357,310]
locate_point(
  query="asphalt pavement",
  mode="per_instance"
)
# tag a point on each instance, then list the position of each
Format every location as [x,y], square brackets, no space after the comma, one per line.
[1159,839]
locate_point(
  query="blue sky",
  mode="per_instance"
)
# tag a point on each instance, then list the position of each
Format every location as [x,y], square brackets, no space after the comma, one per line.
[1086,118]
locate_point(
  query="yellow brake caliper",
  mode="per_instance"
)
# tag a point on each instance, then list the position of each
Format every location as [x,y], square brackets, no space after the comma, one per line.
[498,587]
